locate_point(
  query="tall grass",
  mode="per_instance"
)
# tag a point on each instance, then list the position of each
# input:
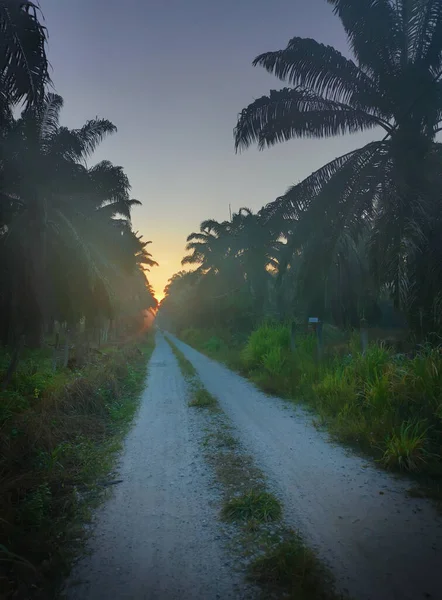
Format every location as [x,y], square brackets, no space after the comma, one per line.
[387,404]
[58,436]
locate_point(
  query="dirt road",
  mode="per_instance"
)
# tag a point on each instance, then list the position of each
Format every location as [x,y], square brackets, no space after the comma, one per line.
[157,538]
[380,544]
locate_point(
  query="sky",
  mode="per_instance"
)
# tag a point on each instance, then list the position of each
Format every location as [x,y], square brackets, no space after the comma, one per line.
[173,75]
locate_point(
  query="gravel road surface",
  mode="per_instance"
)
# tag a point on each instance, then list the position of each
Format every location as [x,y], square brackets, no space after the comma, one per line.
[380,544]
[157,538]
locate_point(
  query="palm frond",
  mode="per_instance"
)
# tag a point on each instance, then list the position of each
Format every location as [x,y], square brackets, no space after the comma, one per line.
[63,143]
[298,198]
[23,61]
[212,226]
[322,70]
[292,113]
[49,115]
[429,35]
[199,237]
[374,30]
[92,133]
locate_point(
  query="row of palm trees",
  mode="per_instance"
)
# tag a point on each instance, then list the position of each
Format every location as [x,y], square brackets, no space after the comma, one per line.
[67,248]
[368,223]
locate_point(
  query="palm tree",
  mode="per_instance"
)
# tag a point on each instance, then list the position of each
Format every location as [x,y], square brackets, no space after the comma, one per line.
[256,246]
[210,248]
[23,63]
[389,187]
[67,213]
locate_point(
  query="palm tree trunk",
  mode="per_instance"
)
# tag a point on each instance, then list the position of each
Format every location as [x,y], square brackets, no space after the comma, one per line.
[37,249]
[14,362]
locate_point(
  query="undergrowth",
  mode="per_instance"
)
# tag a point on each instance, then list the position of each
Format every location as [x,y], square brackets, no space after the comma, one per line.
[59,434]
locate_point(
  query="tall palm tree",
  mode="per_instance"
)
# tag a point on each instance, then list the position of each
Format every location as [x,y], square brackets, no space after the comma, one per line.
[390,187]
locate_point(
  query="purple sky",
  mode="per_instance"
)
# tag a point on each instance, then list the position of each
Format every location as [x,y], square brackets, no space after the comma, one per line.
[173,75]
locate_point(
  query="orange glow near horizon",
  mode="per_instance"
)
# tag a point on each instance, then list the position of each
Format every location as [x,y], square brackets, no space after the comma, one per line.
[168,252]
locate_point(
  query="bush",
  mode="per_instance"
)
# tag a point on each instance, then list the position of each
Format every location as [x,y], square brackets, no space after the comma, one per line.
[213,345]
[264,340]
[406,448]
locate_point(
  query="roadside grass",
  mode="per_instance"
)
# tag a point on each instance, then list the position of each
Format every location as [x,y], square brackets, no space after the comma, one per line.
[200,397]
[257,505]
[203,399]
[187,369]
[290,565]
[59,436]
[274,557]
[386,404]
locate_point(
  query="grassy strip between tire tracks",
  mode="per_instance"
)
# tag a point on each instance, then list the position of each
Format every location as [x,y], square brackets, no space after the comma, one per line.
[277,562]
[59,437]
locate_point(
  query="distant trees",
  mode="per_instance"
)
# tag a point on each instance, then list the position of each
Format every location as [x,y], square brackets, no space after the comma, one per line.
[241,252]
[67,250]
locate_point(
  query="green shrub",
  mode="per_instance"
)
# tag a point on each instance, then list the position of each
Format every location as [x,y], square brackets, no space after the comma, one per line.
[406,448]
[274,361]
[213,345]
[262,341]
[254,504]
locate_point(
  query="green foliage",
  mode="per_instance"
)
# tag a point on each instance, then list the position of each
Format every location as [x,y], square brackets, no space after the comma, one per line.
[35,507]
[63,439]
[213,345]
[406,448]
[263,341]
[258,505]
[201,398]
[377,401]
[292,567]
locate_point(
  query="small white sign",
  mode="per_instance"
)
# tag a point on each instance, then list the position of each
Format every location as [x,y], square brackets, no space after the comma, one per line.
[313,320]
